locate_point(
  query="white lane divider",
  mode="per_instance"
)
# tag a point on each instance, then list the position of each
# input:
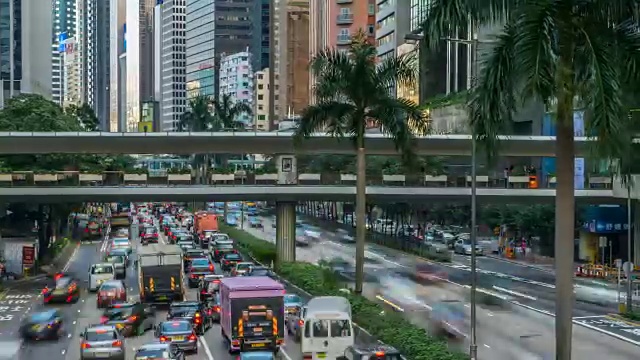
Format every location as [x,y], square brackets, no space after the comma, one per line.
[207,351]
[511,292]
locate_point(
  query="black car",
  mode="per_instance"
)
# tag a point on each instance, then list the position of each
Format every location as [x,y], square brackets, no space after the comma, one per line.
[193,311]
[219,250]
[229,260]
[213,307]
[44,325]
[198,269]
[131,318]
[63,288]
[261,271]
[159,351]
[208,286]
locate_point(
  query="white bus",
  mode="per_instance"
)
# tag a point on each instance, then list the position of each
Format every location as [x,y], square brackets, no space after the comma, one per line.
[327,329]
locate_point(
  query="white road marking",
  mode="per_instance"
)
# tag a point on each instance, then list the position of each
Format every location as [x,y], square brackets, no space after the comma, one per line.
[206,348]
[514,293]
[73,256]
[487,346]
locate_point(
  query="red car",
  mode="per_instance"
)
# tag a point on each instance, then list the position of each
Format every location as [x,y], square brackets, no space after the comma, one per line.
[111,291]
[150,235]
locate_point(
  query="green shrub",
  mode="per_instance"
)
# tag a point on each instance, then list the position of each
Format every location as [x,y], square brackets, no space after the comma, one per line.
[631,315]
[391,328]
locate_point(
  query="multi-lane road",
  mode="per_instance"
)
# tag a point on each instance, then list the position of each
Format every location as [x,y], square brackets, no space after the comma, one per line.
[520,326]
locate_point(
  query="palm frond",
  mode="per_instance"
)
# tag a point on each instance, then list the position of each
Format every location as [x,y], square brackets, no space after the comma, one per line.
[332,69]
[398,71]
[326,116]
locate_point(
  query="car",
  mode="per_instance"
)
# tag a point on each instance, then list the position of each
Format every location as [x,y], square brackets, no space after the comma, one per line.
[131,318]
[119,252]
[109,292]
[198,268]
[122,243]
[213,307]
[255,222]
[463,246]
[190,255]
[186,244]
[193,311]
[63,288]
[150,235]
[205,238]
[208,286]
[102,342]
[371,352]
[229,260]
[220,250]
[42,325]
[99,273]
[182,236]
[241,268]
[159,351]
[437,246]
[179,333]
[261,271]
[256,355]
[119,264]
[292,304]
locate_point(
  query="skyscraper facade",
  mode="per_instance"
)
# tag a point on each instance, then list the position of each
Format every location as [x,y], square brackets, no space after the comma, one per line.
[25,54]
[261,100]
[200,48]
[117,18]
[346,18]
[297,60]
[260,34]
[71,77]
[236,80]
[173,54]
[64,27]
[393,22]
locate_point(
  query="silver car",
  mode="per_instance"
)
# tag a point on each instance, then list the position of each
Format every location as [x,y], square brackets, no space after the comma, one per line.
[102,342]
[119,264]
[464,247]
[165,351]
[178,332]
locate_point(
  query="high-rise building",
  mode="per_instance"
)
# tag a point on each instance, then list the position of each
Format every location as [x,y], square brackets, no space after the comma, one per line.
[200,49]
[233,25]
[260,34]
[296,97]
[72,86]
[139,57]
[261,100]
[319,25]
[117,19]
[64,27]
[346,18]
[173,54]
[25,54]
[393,22]
[236,80]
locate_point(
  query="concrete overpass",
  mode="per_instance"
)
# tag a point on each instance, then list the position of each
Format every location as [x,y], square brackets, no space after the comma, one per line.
[291,193]
[257,143]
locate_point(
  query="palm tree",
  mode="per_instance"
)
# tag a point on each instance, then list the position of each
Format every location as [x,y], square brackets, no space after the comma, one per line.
[569,53]
[198,118]
[227,111]
[351,90]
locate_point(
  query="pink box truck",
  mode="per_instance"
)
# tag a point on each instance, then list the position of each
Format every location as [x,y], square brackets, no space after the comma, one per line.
[252,313]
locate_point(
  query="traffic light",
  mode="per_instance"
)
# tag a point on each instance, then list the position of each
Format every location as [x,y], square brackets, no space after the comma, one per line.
[533,182]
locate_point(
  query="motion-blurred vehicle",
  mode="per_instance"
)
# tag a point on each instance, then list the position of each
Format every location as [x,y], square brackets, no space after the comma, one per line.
[63,288]
[150,235]
[428,273]
[229,260]
[198,268]
[102,342]
[447,317]
[231,220]
[159,351]
[192,311]
[122,243]
[255,222]
[119,264]
[42,325]
[438,246]
[178,332]
[131,318]
[111,291]
[99,273]
[371,352]
[241,268]
[256,355]
[292,306]
[208,286]
[463,246]
[302,240]
[257,270]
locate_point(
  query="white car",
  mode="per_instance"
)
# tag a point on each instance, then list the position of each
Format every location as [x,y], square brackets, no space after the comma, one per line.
[99,273]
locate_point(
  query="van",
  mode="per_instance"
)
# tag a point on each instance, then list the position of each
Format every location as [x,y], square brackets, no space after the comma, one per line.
[326,327]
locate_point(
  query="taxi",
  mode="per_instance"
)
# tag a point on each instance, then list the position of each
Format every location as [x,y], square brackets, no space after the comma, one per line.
[99,273]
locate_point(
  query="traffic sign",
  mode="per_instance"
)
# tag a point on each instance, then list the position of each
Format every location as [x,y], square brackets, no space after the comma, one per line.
[627,267]
[619,263]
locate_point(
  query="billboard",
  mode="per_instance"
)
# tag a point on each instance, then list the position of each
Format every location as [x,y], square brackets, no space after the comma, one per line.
[145,126]
[549,164]
[61,41]
[124,36]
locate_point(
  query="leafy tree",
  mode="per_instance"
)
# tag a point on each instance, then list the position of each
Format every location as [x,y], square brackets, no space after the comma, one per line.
[86,117]
[352,89]
[199,116]
[558,51]
[226,112]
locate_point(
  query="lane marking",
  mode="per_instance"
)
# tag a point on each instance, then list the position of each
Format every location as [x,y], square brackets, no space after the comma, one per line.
[71,259]
[389,303]
[514,293]
[206,348]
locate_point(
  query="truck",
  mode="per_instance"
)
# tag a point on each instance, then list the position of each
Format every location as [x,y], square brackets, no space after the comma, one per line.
[160,274]
[204,222]
[120,220]
[252,313]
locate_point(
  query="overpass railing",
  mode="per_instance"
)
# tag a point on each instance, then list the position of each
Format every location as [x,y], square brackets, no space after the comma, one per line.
[121,178]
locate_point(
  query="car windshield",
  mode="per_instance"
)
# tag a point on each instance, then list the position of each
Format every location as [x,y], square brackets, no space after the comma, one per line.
[123,242]
[224,247]
[291,298]
[200,263]
[152,354]
[243,266]
[110,286]
[63,282]
[150,230]
[102,269]
[232,257]
[222,238]
[175,326]
[116,259]
[42,316]
[119,313]
[100,335]
[259,272]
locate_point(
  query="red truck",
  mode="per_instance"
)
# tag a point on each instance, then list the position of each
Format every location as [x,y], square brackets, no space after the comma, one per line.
[252,313]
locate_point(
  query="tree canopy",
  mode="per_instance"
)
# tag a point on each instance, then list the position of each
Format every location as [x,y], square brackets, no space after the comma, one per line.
[85,116]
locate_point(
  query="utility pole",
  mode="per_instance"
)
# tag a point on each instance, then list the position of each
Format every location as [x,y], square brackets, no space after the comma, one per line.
[272,64]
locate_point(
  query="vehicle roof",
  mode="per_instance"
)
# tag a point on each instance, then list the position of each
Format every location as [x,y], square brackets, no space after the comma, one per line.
[376,347]
[93,328]
[43,315]
[103,264]
[251,283]
[154,346]
[328,304]
[185,303]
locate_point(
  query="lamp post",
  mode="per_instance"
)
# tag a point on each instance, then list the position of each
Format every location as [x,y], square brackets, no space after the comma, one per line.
[629,279]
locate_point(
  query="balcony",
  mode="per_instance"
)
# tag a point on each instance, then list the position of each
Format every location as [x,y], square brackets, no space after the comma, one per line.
[344,1]
[344,19]
[343,40]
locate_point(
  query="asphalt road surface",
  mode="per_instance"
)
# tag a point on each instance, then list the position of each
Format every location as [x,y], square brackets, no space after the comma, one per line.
[505,331]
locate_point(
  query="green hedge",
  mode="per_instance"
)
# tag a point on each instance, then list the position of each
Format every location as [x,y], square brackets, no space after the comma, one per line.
[391,328]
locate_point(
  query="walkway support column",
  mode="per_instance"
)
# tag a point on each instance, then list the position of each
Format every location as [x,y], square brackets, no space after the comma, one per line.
[285,232]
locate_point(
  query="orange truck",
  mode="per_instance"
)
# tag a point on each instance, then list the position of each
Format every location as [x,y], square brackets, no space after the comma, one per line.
[204,224]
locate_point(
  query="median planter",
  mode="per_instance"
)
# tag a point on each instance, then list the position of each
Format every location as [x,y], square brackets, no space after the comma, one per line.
[266,177]
[45,177]
[5,178]
[91,177]
[394,178]
[222,177]
[135,177]
[348,177]
[309,177]
[179,177]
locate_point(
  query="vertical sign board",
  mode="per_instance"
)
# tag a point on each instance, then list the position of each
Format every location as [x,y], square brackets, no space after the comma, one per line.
[28,258]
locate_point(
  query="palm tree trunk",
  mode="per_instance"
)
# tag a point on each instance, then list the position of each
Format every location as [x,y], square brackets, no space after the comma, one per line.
[361,207]
[565,223]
